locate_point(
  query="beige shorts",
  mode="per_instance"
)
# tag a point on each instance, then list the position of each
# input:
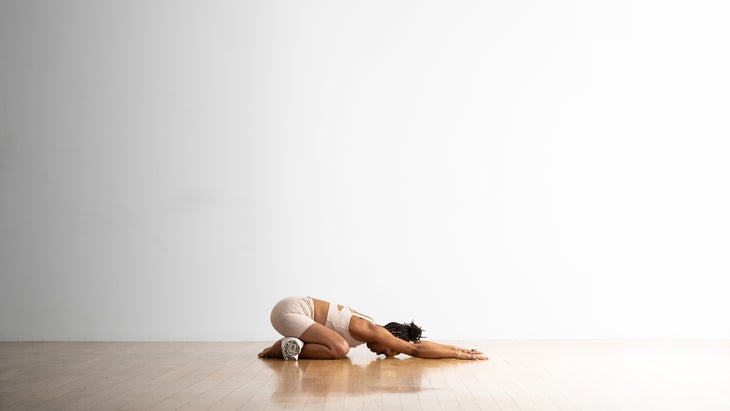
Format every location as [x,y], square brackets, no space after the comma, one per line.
[292,316]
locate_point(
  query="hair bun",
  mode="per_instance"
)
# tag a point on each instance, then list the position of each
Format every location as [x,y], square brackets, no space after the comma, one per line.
[405,331]
[414,332]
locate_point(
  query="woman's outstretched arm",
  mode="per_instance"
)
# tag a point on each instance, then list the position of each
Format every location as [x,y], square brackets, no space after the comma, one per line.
[424,349]
[427,348]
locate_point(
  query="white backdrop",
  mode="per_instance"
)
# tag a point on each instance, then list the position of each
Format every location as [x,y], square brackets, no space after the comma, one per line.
[169,170]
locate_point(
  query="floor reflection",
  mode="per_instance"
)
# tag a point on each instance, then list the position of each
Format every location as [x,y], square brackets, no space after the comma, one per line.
[348,376]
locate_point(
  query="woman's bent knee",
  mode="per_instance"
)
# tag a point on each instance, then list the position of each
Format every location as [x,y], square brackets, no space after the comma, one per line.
[340,349]
[335,345]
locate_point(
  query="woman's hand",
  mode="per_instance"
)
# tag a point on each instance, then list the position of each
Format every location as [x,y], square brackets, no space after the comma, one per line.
[472,354]
[468,350]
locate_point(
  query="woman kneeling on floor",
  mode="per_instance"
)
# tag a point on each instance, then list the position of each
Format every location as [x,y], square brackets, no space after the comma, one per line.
[317,329]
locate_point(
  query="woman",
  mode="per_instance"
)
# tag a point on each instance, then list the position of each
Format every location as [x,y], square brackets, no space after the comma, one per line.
[330,330]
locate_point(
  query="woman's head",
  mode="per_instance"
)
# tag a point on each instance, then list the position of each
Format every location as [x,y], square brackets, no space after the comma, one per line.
[406,332]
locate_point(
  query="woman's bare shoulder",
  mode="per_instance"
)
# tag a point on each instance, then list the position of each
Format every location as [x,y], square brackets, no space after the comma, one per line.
[362,329]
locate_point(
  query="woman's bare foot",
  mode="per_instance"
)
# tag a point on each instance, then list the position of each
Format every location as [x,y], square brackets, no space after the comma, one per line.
[272,352]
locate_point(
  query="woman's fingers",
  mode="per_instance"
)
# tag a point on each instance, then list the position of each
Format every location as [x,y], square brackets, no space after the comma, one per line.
[470,355]
[471,350]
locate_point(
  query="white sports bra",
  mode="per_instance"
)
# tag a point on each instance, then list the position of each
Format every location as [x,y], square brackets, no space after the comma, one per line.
[339,320]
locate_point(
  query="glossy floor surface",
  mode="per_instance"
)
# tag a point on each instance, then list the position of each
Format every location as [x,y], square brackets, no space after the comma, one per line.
[520,375]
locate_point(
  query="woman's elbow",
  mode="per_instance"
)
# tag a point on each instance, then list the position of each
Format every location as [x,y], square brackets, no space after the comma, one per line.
[415,351]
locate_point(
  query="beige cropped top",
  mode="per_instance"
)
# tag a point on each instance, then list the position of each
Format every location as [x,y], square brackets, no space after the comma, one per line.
[339,320]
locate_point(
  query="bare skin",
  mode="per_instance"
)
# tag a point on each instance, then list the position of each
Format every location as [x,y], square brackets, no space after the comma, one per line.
[321,342]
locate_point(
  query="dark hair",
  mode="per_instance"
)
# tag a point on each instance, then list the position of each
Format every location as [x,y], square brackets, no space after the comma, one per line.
[406,332]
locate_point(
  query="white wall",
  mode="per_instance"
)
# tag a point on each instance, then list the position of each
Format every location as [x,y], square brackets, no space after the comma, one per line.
[169,170]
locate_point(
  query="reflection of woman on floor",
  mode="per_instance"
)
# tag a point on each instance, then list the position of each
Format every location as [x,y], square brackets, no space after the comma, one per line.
[330,330]
[394,375]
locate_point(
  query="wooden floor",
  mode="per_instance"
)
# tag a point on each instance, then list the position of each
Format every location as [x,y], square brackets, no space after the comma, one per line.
[521,375]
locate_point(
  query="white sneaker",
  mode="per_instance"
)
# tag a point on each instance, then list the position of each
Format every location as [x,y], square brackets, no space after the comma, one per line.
[291,347]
